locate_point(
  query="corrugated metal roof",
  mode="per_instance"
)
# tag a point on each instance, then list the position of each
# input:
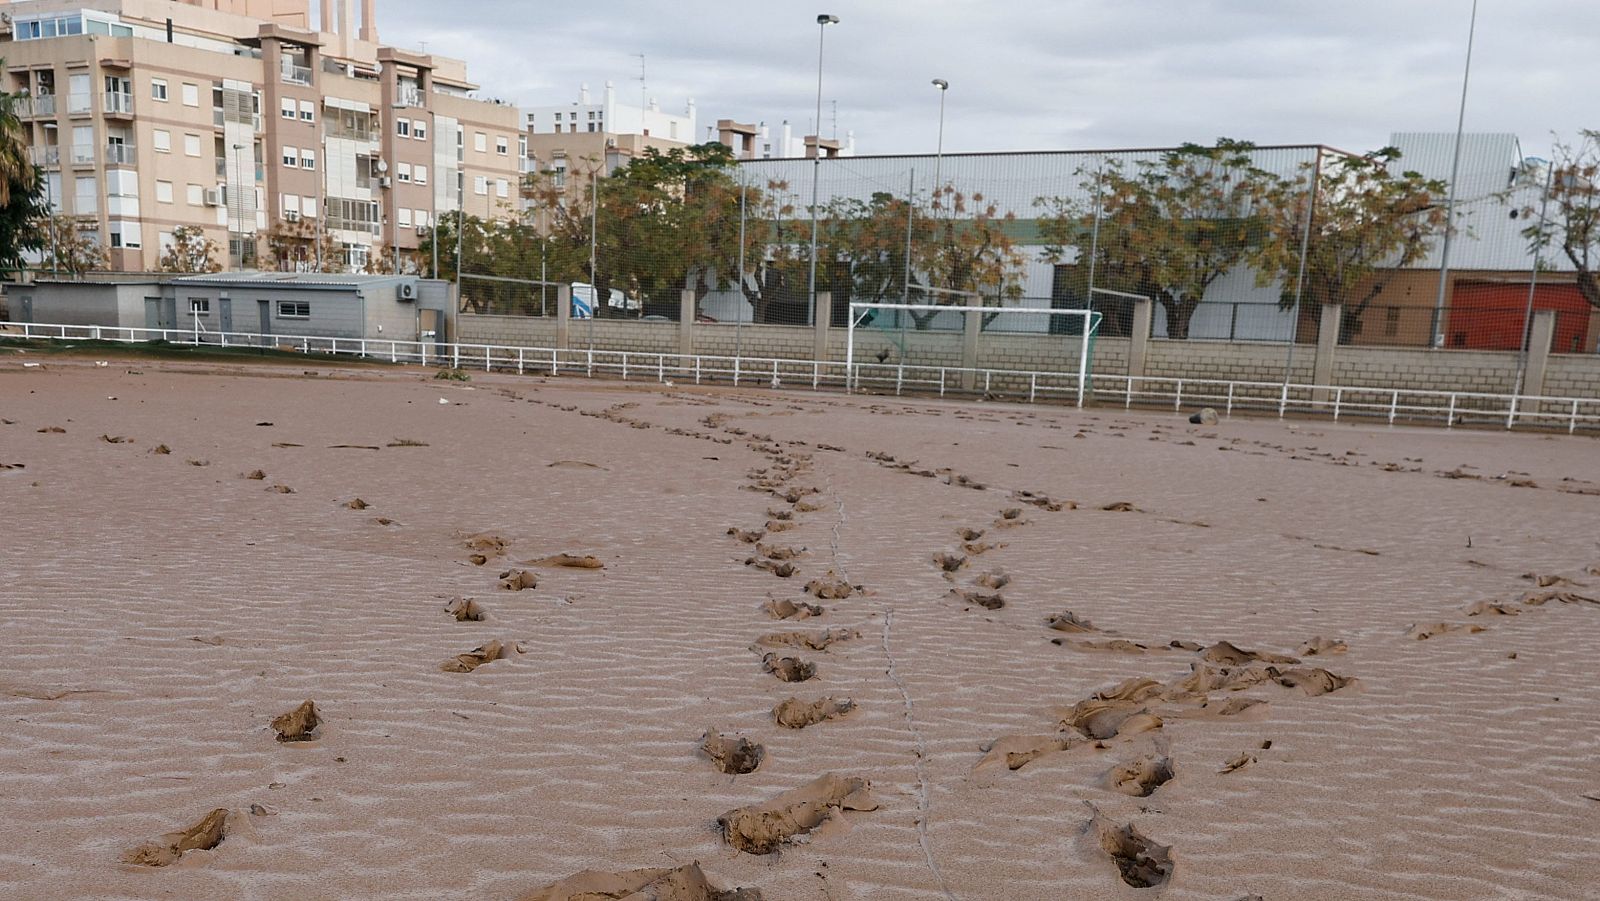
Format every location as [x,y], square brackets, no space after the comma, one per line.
[292,279]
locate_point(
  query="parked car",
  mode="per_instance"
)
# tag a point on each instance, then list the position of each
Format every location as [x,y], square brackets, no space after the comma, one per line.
[583,301]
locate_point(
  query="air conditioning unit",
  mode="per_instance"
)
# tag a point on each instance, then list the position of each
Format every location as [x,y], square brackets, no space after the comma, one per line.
[611,142]
[213,197]
[406,291]
[384,181]
[291,216]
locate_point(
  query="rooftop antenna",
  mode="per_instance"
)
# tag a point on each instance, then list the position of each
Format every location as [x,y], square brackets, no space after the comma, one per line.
[644,91]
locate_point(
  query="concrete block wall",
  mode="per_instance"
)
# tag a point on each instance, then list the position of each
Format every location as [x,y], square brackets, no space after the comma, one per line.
[782,342]
[530,331]
[1572,375]
[1242,361]
[1487,371]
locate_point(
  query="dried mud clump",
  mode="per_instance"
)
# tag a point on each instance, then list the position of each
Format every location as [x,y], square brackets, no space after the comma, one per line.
[830,588]
[685,883]
[764,828]
[949,562]
[797,714]
[732,754]
[1143,776]
[787,609]
[569,561]
[519,579]
[466,663]
[255,474]
[207,833]
[988,600]
[1067,621]
[816,641]
[299,724]
[357,503]
[789,669]
[465,610]
[485,544]
[1141,862]
[748,536]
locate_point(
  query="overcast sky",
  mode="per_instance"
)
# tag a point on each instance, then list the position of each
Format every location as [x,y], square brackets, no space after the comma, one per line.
[1068,74]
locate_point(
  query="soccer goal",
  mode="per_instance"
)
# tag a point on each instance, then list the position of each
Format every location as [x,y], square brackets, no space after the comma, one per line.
[1044,350]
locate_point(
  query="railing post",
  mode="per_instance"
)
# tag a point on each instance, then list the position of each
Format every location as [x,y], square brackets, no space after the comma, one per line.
[455,356]
[394,353]
[775,382]
[899,378]
[625,365]
[697,369]
[1033,385]
[1450,417]
[519,360]
[816,374]
[986,375]
[1394,404]
[589,369]
[1338,396]
[1572,424]
[1230,398]
[736,372]
[1283,399]
[661,367]
[486,355]
[1177,397]
[553,353]
[941,381]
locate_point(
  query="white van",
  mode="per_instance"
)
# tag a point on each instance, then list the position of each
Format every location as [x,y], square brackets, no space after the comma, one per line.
[583,301]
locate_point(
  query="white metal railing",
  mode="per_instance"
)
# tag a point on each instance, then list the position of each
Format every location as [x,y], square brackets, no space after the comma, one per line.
[45,154]
[293,74]
[42,105]
[121,154]
[82,154]
[1392,405]
[118,103]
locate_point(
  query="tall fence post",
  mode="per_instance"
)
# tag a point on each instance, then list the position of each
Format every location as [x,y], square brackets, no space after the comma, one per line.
[1327,348]
[971,331]
[819,349]
[563,315]
[686,308]
[1540,337]
[1139,341]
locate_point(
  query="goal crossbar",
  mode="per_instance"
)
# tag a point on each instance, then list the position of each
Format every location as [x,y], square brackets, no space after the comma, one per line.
[1091,327]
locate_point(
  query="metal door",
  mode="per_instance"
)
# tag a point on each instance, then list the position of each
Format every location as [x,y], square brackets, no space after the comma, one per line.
[152,312]
[264,310]
[225,314]
[27,308]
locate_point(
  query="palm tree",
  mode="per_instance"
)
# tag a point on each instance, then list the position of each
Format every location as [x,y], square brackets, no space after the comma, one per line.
[16,171]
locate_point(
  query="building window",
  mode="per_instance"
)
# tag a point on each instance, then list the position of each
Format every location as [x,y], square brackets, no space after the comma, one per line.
[191,145]
[196,195]
[480,185]
[291,156]
[419,129]
[308,159]
[163,192]
[191,94]
[591,126]
[480,142]
[287,108]
[356,255]
[309,205]
[404,216]
[422,218]
[501,188]
[419,174]
[402,172]
[308,111]
[294,309]
[402,127]
[291,203]
[158,89]
[502,145]
[162,140]
[199,306]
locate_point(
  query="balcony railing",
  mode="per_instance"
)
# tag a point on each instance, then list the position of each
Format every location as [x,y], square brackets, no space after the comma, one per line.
[412,97]
[38,107]
[79,104]
[293,74]
[83,154]
[45,154]
[120,155]
[118,103]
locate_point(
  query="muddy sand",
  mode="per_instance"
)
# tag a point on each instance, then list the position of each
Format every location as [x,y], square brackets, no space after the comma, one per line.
[824,647]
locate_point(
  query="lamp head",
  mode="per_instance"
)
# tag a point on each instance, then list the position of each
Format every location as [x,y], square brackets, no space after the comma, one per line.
[826,19]
[941,84]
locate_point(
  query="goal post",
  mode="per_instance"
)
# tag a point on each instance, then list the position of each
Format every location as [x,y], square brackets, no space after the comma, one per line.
[1087,324]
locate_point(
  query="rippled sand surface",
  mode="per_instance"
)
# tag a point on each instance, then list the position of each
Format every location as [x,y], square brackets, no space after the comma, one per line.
[159,609]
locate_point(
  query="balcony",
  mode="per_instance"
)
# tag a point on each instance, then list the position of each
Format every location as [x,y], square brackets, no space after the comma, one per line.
[82,154]
[45,154]
[293,74]
[40,107]
[118,103]
[120,155]
[408,97]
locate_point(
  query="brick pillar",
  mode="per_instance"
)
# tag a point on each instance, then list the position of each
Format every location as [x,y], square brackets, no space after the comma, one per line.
[563,315]
[1540,338]
[686,307]
[972,328]
[1327,348]
[1139,341]
[822,317]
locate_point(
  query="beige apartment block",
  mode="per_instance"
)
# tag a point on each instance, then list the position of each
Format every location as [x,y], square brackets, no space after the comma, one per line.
[277,138]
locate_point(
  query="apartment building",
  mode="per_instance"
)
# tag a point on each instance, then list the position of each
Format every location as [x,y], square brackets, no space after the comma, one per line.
[566,143]
[760,141]
[293,146]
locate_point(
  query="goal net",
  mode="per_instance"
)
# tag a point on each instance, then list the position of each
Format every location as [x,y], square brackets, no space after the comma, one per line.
[1002,351]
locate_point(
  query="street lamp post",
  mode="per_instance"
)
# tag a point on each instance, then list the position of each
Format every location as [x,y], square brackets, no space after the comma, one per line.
[1450,199]
[938,155]
[823,21]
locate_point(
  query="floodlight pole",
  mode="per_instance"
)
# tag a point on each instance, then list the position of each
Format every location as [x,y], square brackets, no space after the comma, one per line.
[823,21]
[1533,282]
[1450,199]
[938,154]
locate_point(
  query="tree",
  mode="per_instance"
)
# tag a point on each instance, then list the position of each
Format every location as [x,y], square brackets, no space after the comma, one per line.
[69,248]
[22,201]
[190,251]
[299,247]
[1167,229]
[1574,225]
[1367,222]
